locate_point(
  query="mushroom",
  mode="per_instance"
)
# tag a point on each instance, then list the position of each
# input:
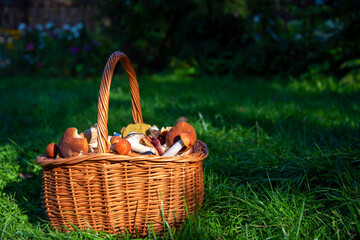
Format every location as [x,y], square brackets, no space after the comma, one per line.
[154,131]
[163,133]
[121,146]
[184,142]
[148,143]
[174,135]
[188,152]
[136,145]
[136,127]
[72,144]
[51,150]
[156,143]
[91,135]
[115,139]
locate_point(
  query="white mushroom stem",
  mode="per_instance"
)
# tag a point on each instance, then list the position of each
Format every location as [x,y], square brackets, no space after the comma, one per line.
[136,146]
[174,149]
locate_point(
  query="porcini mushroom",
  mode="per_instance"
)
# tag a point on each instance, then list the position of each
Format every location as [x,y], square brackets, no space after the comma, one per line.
[51,150]
[174,135]
[184,142]
[136,145]
[72,144]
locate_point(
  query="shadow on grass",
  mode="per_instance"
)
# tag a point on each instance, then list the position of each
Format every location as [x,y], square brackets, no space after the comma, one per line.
[27,195]
[257,131]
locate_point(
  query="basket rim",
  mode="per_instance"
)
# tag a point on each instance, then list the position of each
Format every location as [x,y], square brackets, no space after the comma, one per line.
[201,151]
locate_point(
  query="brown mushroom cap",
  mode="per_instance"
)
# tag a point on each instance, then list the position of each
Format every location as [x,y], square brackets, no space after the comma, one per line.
[71,144]
[186,139]
[51,150]
[174,134]
[115,139]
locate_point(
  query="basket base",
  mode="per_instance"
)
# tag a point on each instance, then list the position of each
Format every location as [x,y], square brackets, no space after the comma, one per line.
[120,197]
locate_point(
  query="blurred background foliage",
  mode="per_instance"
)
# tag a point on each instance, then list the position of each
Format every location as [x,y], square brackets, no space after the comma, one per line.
[198,37]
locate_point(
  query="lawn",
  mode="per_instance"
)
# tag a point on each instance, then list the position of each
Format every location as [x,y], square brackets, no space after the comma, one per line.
[283,163]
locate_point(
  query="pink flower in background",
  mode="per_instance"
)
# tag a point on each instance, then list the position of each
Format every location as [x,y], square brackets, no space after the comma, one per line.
[30,46]
[40,65]
[75,49]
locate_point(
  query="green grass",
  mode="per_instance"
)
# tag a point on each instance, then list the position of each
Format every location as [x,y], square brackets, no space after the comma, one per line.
[284,155]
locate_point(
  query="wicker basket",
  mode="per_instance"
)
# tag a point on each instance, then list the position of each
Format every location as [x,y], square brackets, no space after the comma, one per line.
[115,193]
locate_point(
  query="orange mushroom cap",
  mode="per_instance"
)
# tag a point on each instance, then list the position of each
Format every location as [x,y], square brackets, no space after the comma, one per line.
[71,144]
[122,146]
[174,135]
[51,150]
[186,139]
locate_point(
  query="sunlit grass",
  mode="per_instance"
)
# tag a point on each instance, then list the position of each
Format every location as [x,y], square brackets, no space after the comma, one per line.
[284,155]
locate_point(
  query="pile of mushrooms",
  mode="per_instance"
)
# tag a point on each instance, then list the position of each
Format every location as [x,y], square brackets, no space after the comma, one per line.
[140,138]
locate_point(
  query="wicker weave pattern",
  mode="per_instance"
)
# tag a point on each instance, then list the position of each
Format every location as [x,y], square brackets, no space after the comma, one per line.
[110,192]
[103,105]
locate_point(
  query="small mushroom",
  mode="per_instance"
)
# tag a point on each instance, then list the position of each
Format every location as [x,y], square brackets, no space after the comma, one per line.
[174,134]
[156,143]
[115,139]
[184,142]
[72,144]
[154,131]
[121,146]
[135,140]
[51,150]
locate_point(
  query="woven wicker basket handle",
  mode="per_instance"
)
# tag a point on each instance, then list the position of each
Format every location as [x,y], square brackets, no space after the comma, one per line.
[103,104]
